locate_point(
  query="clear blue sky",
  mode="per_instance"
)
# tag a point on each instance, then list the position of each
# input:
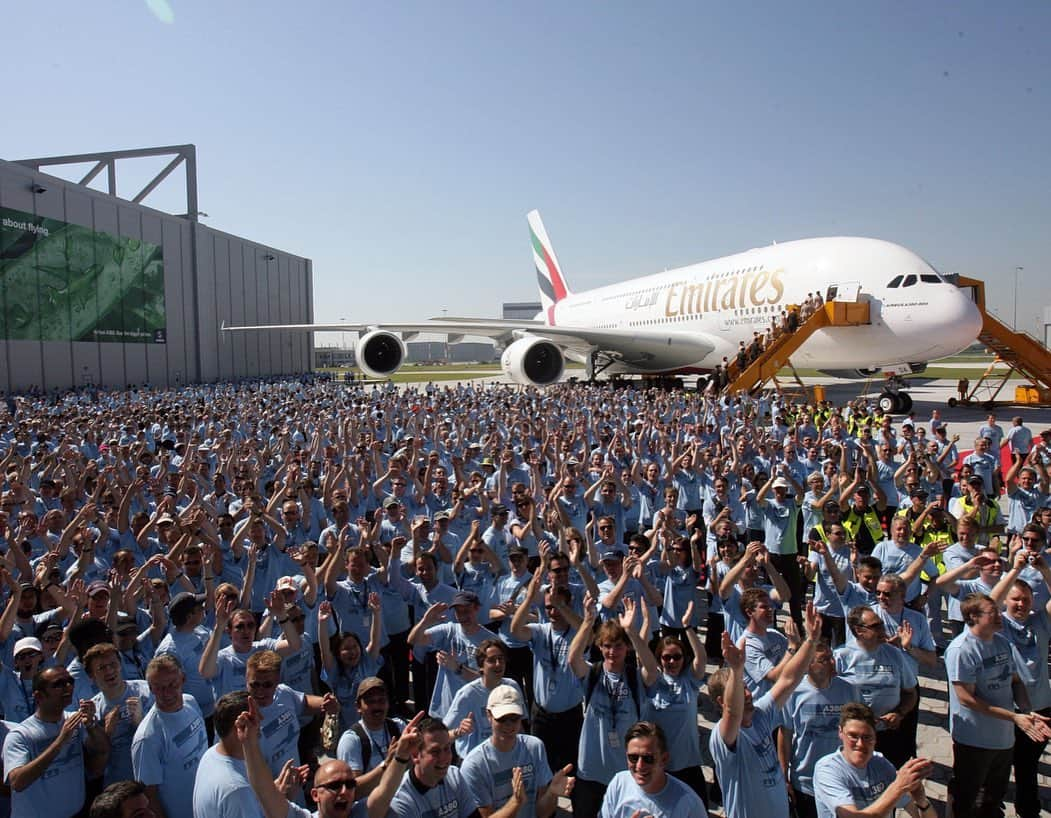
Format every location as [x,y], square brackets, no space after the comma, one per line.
[400,145]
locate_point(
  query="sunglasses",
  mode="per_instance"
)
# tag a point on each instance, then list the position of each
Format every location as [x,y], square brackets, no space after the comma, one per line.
[347,784]
[510,718]
[645,758]
[671,657]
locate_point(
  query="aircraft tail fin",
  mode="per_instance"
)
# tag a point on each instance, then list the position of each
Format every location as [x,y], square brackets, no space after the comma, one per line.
[552,284]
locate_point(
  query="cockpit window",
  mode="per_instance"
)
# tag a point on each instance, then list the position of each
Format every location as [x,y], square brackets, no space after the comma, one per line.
[930,278]
[909,281]
[896,281]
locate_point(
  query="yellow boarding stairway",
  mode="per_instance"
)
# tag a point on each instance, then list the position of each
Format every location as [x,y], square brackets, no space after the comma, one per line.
[776,354]
[1015,352]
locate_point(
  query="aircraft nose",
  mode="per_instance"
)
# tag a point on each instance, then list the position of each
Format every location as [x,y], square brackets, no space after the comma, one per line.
[963,323]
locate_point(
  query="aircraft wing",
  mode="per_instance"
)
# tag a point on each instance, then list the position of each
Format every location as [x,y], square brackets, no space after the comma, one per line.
[647,350]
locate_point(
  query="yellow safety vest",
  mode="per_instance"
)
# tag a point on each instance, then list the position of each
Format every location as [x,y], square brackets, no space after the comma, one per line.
[984,516]
[852,522]
[930,535]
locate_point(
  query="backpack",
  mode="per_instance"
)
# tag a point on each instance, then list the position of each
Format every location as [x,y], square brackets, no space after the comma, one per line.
[631,676]
[366,740]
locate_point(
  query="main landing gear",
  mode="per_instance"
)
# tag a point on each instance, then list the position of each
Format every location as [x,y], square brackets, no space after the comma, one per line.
[894,400]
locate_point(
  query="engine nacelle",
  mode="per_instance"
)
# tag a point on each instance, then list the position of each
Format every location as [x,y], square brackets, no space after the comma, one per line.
[380,354]
[533,361]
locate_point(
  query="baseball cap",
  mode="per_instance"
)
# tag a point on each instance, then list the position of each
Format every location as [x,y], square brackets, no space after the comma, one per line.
[919,493]
[165,518]
[368,685]
[444,514]
[184,603]
[498,508]
[975,480]
[504,701]
[780,483]
[96,586]
[612,554]
[287,584]
[465,598]
[27,643]
[391,501]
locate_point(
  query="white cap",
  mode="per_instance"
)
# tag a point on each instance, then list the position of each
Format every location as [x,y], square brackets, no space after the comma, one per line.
[27,643]
[780,483]
[503,701]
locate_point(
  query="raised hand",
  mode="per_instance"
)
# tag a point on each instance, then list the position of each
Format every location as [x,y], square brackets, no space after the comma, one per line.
[733,654]
[562,782]
[627,617]
[410,739]
[687,618]
[324,614]
[905,634]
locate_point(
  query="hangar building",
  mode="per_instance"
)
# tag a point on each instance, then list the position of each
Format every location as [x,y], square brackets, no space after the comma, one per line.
[101,290]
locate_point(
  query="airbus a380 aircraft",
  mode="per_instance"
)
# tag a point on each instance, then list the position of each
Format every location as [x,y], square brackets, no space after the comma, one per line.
[688,319]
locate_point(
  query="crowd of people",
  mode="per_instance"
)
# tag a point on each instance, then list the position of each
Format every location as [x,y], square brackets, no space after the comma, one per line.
[298,597]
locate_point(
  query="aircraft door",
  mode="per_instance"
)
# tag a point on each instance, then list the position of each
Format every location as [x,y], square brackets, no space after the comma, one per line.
[843,291]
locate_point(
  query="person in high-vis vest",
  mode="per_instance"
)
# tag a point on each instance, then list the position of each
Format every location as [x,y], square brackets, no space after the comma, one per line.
[939,528]
[982,509]
[861,519]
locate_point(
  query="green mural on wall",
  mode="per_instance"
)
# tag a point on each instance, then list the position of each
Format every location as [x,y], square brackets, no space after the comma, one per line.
[65,282]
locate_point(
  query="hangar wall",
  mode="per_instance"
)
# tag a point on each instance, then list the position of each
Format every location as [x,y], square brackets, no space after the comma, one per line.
[209,278]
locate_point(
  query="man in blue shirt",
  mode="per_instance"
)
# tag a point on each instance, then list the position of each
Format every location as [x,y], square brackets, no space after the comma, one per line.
[221,788]
[742,744]
[45,756]
[170,741]
[811,724]
[984,690]
[862,782]
[510,768]
[645,788]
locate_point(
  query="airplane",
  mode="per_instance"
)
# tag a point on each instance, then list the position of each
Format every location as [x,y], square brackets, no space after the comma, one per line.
[686,320]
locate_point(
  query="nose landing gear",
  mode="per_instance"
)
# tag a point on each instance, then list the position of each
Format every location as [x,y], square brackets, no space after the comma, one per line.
[893,399]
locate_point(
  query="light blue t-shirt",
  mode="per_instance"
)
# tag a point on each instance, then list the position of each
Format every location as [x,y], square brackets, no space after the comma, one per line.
[488,772]
[473,698]
[221,788]
[672,704]
[166,751]
[812,714]
[59,791]
[749,772]
[118,767]
[555,687]
[878,677]
[779,525]
[624,798]
[680,589]
[896,559]
[608,715]
[838,783]
[16,696]
[989,666]
[451,798]
[349,748]
[761,655]
[452,638]
[825,596]
[279,727]
[231,665]
[188,647]
[1030,642]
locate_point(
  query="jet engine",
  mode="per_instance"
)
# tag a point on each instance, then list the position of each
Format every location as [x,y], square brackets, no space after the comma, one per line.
[533,361]
[380,354]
